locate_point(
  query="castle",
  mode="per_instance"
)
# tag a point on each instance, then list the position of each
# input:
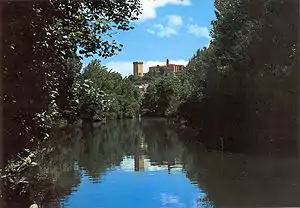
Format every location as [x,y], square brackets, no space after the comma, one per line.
[138,68]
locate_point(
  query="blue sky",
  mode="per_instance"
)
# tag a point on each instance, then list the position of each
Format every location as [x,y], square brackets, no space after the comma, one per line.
[172,29]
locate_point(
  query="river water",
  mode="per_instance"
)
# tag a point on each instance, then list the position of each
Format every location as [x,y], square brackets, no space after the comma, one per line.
[144,164]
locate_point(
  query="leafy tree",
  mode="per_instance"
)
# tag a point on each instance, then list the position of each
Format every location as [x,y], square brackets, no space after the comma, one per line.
[245,77]
[162,95]
[39,38]
[130,98]
[150,100]
[68,90]
[122,95]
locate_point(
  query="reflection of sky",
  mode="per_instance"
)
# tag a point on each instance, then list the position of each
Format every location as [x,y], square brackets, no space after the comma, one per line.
[128,165]
[147,189]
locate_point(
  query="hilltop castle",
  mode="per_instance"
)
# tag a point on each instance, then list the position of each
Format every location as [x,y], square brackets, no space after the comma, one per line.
[138,67]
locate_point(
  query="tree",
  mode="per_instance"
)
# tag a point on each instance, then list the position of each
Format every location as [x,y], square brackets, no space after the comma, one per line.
[162,95]
[38,39]
[68,89]
[130,98]
[123,98]
[242,84]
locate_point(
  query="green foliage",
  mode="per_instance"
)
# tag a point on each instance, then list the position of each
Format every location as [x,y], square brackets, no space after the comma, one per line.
[92,101]
[150,76]
[68,83]
[244,81]
[40,69]
[130,98]
[121,99]
[194,76]
[162,95]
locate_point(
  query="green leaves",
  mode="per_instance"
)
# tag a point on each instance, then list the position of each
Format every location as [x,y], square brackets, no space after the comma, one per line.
[40,39]
[162,94]
[42,80]
[243,79]
[121,97]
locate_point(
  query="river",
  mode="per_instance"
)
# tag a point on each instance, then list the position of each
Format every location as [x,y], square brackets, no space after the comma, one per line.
[144,163]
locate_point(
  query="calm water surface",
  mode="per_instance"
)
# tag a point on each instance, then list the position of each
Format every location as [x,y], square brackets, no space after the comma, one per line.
[143,164]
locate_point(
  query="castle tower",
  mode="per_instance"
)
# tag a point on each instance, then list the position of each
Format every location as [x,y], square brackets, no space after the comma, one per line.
[138,68]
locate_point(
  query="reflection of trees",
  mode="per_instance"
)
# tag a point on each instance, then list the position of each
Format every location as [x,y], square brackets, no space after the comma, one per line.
[57,175]
[241,180]
[106,145]
[162,141]
[95,147]
[227,179]
[204,202]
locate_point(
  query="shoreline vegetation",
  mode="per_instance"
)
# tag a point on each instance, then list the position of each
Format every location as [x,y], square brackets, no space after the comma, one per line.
[238,95]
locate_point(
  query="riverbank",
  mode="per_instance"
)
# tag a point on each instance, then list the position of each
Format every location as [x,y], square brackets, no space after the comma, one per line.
[22,175]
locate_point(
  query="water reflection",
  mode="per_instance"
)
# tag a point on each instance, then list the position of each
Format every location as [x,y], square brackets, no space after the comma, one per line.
[127,163]
[132,163]
[240,180]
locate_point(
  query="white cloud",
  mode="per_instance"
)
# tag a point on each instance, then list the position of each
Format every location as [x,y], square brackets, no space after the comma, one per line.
[174,21]
[149,7]
[159,26]
[167,32]
[171,27]
[171,199]
[125,67]
[150,31]
[198,31]
[164,31]
[190,19]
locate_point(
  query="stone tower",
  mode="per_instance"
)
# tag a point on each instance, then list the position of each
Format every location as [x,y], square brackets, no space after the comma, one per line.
[138,68]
